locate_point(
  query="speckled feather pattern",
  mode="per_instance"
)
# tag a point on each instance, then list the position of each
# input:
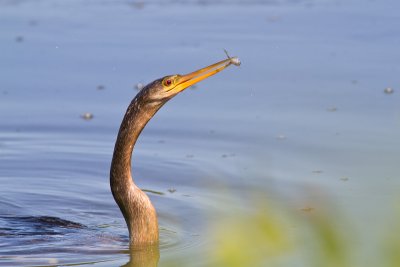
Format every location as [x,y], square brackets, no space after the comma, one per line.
[135,205]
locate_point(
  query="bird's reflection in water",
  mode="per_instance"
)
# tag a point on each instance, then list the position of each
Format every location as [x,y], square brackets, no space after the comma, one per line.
[147,256]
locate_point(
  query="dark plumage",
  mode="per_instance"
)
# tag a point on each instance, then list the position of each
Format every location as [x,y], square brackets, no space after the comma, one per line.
[139,213]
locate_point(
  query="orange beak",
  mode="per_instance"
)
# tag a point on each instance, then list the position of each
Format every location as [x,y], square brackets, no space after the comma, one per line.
[185,81]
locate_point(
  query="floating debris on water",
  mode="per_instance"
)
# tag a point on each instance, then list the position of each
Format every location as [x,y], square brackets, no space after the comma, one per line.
[19,39]
[53,261]
[138,4]
[153,192]
[101,87]
[172,190]
[273,18]
[388,90]
[139,86]
[280,137]
[230,155]
[307,209]
[104,225]
[87,116]
[33,22]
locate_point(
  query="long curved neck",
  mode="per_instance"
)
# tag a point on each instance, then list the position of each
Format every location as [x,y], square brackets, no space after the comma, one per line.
[136,117]
[136,207]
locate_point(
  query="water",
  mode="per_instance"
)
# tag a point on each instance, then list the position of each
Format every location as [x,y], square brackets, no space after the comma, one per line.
[305,116]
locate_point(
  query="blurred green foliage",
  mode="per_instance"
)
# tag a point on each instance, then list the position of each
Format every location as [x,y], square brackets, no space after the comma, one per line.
[250,239]
[277,235]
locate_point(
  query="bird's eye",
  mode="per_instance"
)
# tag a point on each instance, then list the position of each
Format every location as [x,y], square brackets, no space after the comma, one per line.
[168,82]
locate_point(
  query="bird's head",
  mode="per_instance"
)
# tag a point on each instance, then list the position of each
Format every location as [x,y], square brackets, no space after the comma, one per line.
[163,89]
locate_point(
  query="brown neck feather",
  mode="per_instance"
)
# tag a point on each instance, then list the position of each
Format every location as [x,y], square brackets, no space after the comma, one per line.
[139,213]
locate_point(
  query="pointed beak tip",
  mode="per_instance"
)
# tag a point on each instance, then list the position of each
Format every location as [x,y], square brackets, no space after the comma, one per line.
[201,74]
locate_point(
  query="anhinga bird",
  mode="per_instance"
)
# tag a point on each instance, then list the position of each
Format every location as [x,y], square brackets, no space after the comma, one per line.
[139,213]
